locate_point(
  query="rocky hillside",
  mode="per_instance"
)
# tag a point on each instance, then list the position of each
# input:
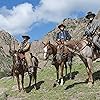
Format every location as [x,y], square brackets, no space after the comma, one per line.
[6,42]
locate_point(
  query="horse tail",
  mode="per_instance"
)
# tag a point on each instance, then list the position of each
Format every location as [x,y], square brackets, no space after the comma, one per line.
[35,60]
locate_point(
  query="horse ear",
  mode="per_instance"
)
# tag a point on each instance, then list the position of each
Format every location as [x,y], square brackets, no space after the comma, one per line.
[49,42]
[57,42]
[43,43]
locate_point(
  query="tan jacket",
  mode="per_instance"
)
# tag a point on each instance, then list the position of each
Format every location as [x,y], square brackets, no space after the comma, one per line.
[26,49]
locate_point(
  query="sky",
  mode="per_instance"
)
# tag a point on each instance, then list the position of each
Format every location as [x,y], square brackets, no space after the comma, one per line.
[37,17]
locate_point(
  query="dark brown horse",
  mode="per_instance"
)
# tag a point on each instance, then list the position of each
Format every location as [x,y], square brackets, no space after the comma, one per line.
[20,67]
[85,50]
[66,56]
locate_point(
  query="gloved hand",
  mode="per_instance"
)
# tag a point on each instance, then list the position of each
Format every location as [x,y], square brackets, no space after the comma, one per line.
[20,50]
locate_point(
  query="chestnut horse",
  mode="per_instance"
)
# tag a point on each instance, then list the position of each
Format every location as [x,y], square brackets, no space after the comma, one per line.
[50,49]
[85,50]
[20,67]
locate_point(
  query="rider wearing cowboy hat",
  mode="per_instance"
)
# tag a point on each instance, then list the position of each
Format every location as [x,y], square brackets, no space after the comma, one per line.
[90,15]
[25,49]
[93,29]
[90,27]
[63,35]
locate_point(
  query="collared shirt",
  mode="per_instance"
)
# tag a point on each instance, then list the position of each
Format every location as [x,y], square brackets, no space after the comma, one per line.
[63,35]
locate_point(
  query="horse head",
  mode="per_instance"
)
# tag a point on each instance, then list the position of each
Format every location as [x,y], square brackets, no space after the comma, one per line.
[15,56]
[48,49]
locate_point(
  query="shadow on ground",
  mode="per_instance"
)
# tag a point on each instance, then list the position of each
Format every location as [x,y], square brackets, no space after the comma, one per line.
[73,74]
[96,75]
[70,86]
[37,87]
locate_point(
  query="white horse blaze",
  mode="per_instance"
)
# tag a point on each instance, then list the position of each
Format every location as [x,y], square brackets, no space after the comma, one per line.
[45,52]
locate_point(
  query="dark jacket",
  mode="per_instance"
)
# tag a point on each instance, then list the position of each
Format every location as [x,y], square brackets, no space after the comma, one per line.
[63,35]
[92,27]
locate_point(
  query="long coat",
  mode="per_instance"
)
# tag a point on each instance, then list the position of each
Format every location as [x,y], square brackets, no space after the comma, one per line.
[25,47]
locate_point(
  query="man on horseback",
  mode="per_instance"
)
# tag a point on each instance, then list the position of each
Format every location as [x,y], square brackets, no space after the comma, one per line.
[25,50]
[63,35]
[93,29]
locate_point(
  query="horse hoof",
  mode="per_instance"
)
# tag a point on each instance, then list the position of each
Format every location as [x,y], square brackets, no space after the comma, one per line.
[70,78]
[61,84]
[54,85]
[87,80]
[19,90]
[35,87]
[90,85]
[23,90]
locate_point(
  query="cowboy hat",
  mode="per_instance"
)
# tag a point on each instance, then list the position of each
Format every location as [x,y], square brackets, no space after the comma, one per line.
[90,15]
[25,36]
[61,25]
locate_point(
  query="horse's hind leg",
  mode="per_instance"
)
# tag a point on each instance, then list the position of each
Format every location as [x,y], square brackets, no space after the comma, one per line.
[35,76]
[70,66]
[22,81]
[30,77]
[61,73]
[90,68]
[88,63]
[65,69]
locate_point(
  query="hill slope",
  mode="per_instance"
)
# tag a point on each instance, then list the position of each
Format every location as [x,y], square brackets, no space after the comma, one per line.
[75,89]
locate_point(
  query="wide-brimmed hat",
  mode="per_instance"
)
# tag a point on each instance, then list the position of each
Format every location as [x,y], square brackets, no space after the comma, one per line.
[90,15]
[25,36]
[61,25]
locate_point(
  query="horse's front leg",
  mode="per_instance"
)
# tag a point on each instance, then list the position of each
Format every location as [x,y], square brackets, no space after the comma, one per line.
[57,72]
[61,73]
[22,80]
[18,82]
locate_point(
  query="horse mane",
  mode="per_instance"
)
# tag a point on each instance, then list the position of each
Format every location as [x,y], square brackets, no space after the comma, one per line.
[74,43]
[53,47]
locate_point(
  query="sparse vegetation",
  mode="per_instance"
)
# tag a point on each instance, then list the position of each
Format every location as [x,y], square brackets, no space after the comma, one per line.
[75,89]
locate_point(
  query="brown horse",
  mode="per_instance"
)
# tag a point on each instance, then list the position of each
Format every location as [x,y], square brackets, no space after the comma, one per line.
[20,67]
[84,49]
[50,49]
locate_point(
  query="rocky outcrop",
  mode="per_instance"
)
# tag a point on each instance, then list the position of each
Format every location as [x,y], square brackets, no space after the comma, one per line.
[7,42]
